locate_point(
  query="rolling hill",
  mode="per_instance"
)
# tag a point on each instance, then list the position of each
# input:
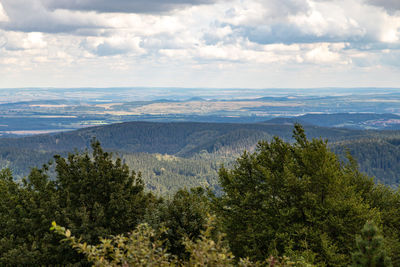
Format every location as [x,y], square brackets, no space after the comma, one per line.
[197,144]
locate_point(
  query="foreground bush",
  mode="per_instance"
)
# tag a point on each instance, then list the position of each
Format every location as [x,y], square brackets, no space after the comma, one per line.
[142,247]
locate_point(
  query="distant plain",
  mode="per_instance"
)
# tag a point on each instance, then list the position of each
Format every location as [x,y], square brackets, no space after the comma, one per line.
[43,110]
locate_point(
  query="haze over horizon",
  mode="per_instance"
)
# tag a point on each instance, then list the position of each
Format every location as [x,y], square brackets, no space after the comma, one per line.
[200,43]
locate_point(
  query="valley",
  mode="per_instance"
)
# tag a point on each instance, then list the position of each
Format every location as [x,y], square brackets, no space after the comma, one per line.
[173,155]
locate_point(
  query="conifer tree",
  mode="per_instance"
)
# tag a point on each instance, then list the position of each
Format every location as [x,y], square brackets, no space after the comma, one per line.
[294,199]
[99,196]
[93,195]
[185,216]
[371,252]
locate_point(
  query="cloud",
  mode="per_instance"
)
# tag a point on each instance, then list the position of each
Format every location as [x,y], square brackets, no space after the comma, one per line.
[3,39]
[390,5]
[86,17]
[34,17]
[3,14]
[326,53]
[317,21]
[20,41]
[113,45]
[123,6]
[165,38]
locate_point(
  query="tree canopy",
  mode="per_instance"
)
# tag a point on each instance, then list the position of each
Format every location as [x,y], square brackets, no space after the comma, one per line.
[286,202]
[296,199]
[93,195]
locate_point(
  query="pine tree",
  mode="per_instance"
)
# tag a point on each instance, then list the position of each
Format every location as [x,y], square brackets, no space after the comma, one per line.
[371,252]
[93,195]
[99,196]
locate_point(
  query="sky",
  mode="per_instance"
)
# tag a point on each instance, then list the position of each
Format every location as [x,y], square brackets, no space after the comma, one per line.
[200,43]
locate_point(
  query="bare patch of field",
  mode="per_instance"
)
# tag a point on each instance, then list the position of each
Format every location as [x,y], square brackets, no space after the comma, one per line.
[31,132]
[165,157]
[200,107]
[49,106]
[378,100]
[54,116]
[108,106]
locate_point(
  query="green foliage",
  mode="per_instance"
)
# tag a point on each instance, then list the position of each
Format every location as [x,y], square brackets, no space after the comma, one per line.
[92,195]
[378,157]
[166,174]
[143,247]
[184,216]
[26,211]
[296,199]
[197,149]
[98,196]
[207,252]
[370,248]
[387,201]
[140,248]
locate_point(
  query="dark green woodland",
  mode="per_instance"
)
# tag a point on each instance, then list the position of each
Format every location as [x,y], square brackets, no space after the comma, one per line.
[288,203]
[178,155]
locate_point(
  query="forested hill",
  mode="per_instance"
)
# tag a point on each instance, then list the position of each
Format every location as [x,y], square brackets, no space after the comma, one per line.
[346,120]
[176,138]
[378,157]
[197,144]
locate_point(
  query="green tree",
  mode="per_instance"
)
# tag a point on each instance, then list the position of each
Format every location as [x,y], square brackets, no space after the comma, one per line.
[295,199]
[91,194]
[184,216]
[26,211]
[387,201]
[370,248]
[99,196]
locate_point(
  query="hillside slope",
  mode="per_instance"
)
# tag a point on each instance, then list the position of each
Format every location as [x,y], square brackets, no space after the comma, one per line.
[191,144]
[346,120]
[171,138]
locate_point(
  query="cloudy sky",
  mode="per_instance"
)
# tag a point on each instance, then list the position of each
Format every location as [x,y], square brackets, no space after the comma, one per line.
[200,43]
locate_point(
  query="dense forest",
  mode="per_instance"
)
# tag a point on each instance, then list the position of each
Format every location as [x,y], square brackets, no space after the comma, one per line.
[178,155]
[286,204]
[378,157]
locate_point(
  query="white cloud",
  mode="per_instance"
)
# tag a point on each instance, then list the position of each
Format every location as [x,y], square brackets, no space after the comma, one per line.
[329,20]
[326,53]
[3,14]
[114,45]
[237,37]
[22,41]
[390,30]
